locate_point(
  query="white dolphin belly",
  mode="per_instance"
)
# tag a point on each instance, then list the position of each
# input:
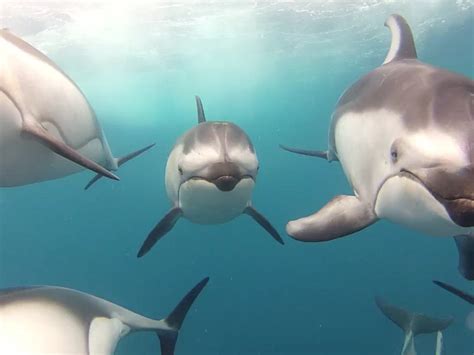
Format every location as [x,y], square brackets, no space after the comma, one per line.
[40,327]
[202,202]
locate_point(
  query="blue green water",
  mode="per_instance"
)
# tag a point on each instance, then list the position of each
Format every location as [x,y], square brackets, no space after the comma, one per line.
[276,70]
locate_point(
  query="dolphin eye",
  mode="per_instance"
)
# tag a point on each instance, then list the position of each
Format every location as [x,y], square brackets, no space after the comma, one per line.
[180,169]
[394,154]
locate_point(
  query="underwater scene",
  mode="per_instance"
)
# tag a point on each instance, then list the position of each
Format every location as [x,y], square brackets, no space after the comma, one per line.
[278,177]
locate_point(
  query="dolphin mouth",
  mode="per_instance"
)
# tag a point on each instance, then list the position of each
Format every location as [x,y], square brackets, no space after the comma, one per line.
[224,175]
[455,194]
[224,183]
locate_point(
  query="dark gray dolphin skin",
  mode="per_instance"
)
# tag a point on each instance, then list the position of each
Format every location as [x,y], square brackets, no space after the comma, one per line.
[455,291]
[57,320]
[412,324]
[404,135]
[210,175]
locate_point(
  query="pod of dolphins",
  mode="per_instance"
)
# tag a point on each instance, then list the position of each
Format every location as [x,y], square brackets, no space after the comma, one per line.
[412,162]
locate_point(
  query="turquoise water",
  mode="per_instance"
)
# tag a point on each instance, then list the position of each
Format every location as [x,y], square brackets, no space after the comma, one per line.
[276,70]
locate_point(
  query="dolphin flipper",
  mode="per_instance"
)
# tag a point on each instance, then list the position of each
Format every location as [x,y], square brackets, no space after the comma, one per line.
[200,110]
[403,45]
[120,161]
[412,324]
[163,227]
[465,296]
[465,246]
[176,318]
[33,129]
[312,153]
[260,219]
[341,216]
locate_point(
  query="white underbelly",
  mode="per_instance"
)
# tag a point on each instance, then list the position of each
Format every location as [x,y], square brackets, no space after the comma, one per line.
[409,203]
[202,202]
[40,328]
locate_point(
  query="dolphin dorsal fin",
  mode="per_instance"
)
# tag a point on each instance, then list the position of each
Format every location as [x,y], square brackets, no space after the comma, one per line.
[403,45]
[200,110]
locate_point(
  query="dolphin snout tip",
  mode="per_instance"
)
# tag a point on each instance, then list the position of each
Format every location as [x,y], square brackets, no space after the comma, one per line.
[226,183]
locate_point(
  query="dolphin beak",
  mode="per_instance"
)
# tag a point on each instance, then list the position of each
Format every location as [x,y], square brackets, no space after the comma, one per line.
[224,175]
[226,183]
[453,187]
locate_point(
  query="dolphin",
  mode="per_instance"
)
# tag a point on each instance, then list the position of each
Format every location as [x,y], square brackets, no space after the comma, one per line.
[414,324]
[48,130]
[56,320]
[404,135]
[210,175]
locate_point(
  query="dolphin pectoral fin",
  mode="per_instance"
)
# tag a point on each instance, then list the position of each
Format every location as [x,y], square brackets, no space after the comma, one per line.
[163,227]
[465,246]
[465,296]
[200,110]
[130,156]
[35,130]
[341,216]
[312,153]
[120,162]
[260,219]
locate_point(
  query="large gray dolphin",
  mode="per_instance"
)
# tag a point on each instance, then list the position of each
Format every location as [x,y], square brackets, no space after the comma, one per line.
[404,135]
[413,324]
[47,128]
[210,175]
[55,320]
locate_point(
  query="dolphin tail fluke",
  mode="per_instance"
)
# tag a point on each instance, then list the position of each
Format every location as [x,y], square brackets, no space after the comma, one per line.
[455,291]
[260,219]
[412,324]
[311,153]
[163,227]
[176,318]
[200,110]
[120,162]
[465,246]
[341,216]
[35,130]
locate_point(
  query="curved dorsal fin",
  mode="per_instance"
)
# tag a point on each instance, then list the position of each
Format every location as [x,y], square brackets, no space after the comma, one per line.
[403,45]
[200,110]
